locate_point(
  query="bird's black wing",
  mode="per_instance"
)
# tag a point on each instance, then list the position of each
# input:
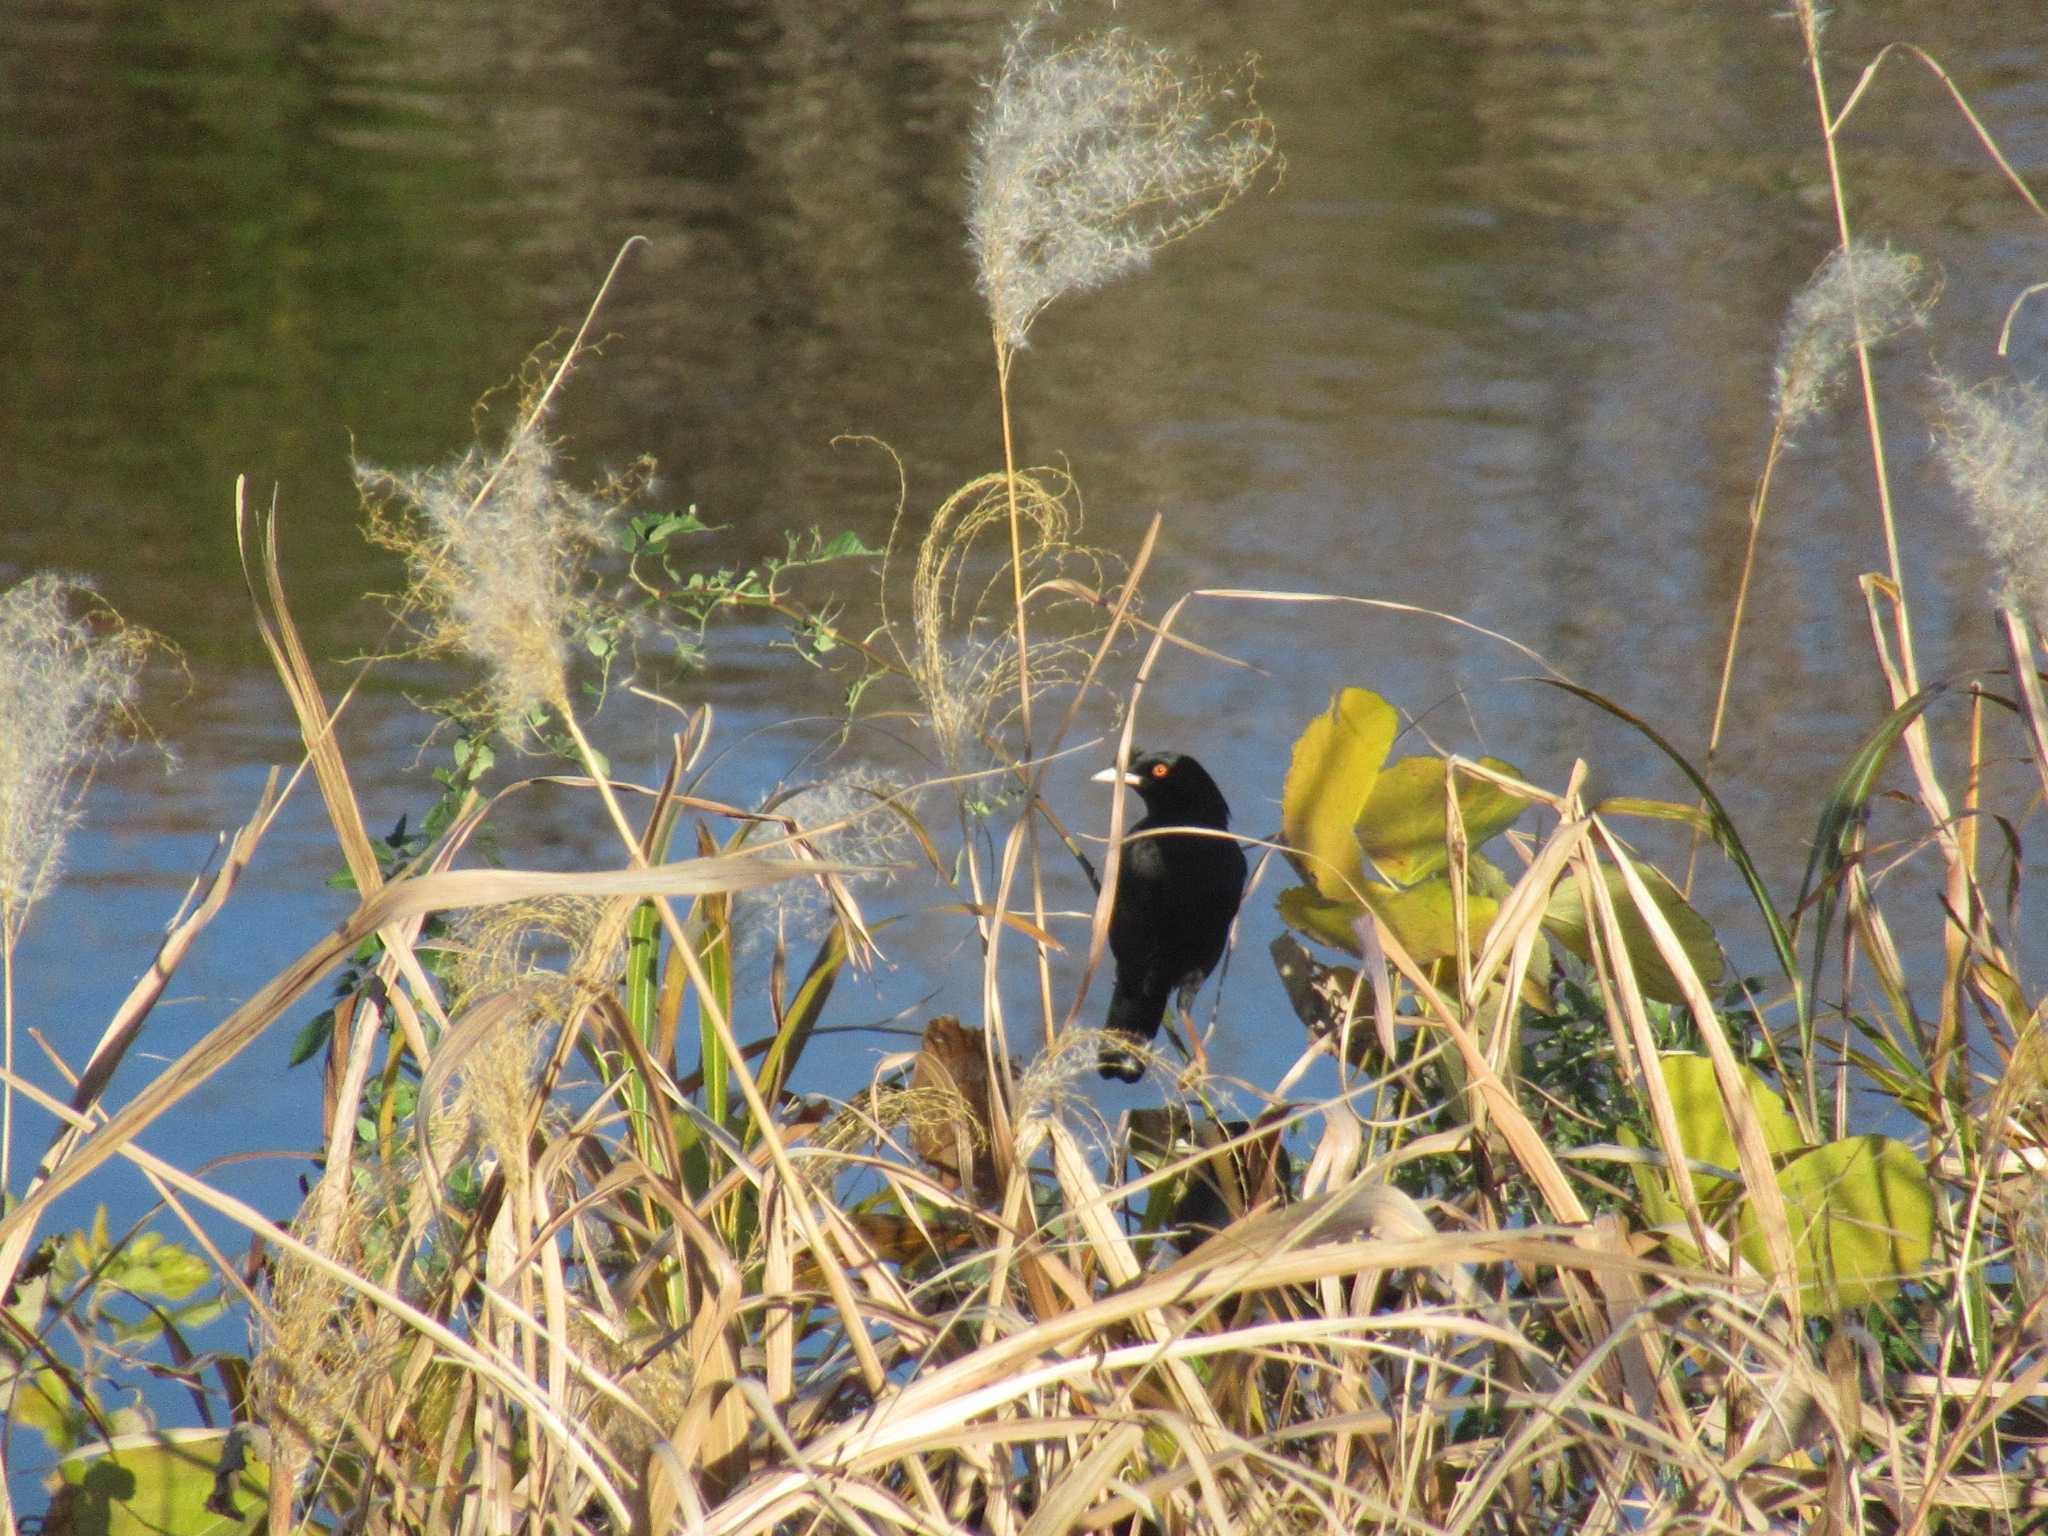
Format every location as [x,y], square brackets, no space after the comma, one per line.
[1176,897]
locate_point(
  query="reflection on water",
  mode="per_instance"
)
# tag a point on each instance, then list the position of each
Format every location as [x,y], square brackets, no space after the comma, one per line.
[1497,345]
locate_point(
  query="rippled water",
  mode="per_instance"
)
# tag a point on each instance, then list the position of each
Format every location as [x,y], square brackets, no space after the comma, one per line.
[1497,344]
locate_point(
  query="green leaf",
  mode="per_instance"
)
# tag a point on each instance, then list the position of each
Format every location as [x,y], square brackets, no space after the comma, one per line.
[652,529]
[1317,917]
[473,756]
[804,1011]
[1703,1118]
[1567,922]
[151,1266]
[1335,765]
[312,1040]
[45,1404]
[1424,920]
[182,1482]
[1862,1215]
[1725,835]
[1401,829]
[845,546]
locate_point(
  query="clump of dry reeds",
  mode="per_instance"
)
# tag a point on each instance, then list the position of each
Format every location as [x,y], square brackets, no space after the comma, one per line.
[319,1352]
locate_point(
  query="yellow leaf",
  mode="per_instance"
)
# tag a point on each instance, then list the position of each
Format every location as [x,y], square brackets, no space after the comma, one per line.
[1335,765]
[1401,828]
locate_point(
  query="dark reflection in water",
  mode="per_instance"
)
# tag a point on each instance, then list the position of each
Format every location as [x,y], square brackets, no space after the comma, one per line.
[1498,344]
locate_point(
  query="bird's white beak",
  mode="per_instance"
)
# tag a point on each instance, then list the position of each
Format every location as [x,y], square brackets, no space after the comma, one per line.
[1111,776]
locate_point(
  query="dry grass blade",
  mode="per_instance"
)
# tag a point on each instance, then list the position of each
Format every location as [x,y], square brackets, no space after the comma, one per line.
[1984,135]
[396,901]
[1760,1179]
[295,670]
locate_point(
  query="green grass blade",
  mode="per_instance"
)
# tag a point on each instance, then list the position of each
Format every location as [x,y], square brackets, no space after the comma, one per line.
[1722,829]
[1844,811]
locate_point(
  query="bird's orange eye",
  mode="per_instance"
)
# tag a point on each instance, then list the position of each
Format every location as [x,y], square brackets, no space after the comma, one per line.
[1159,770]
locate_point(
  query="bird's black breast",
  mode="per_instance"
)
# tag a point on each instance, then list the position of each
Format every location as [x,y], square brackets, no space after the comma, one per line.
[1176,897]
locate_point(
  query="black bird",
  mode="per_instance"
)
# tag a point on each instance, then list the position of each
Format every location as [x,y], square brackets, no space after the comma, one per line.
[1175,898]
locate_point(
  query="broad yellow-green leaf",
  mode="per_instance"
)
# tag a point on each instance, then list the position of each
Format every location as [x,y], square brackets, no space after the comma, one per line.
[1336,762]
[1703,1118]
[1424,920]
[1401,829]
[45,1403]
[1566,919]
[1317,917]
[1421,918]
[158,1483]
[1862,1215]
[1659,1209]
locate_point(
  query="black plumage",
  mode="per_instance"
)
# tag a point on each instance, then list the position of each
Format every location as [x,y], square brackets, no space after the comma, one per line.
[1176,895]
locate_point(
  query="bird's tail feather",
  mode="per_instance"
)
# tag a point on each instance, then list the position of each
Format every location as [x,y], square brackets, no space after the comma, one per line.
[1138,1015]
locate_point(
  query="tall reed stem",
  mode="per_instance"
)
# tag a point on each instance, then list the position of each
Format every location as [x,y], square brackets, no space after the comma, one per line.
[1756,523]
[1005,356]
[1809,26]
[7,1100]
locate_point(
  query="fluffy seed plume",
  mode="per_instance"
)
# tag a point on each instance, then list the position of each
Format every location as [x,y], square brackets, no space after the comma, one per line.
[852,819]
[1861,283]
[499,549]
[68,672]
[1089,158]
[1994,443]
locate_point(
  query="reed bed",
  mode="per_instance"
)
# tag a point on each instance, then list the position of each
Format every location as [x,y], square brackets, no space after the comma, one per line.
[1590,1238]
